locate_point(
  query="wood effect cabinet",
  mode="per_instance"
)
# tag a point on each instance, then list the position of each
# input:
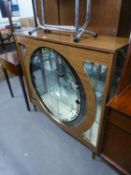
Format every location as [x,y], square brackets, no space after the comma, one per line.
[70,82]
[117,140]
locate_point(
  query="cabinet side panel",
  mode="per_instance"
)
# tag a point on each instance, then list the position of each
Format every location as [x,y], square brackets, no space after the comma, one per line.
[126,74]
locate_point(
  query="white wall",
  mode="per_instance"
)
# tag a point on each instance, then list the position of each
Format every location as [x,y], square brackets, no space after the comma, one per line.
[26,9]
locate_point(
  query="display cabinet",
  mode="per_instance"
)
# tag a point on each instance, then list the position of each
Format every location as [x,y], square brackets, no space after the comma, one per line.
[71,82]
[116,148]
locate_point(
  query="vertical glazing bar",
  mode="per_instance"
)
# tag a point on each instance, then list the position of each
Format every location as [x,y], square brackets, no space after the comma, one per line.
[43,11]
[77,15]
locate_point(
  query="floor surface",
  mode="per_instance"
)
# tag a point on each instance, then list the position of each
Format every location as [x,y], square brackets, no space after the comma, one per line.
[31,144]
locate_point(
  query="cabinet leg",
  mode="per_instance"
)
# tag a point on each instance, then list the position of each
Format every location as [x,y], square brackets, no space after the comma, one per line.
[8,82]
[93,155]
[2,41]
[35,108]
[24,92]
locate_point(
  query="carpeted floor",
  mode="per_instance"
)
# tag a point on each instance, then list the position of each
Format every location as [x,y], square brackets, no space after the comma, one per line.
[31,144]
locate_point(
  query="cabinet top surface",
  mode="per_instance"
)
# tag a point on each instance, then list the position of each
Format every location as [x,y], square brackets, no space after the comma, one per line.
[122,103]
[101,43]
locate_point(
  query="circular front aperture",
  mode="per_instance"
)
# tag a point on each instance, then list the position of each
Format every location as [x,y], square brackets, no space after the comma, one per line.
[58,86]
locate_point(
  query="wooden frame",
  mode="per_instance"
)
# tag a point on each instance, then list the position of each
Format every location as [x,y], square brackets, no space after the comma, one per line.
[102,50]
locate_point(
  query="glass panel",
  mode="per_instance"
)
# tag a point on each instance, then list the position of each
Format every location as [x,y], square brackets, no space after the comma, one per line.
[118,70]
[57,85]
[97,76]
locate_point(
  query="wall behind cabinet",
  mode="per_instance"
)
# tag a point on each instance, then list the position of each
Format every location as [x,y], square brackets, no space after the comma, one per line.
[51,8]
[108,17]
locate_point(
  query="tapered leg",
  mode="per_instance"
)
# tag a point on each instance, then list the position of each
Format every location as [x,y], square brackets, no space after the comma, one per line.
[8,82]
[35,108]
[24,92]
[93,155]
[2,41]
